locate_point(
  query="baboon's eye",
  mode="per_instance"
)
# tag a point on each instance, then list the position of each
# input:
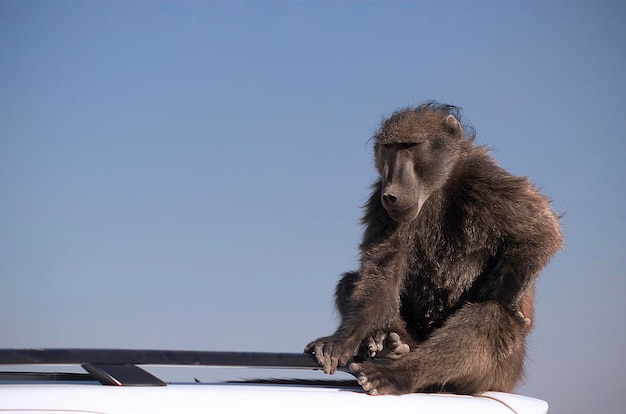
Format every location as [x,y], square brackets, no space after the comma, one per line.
[406,145]
[399,146]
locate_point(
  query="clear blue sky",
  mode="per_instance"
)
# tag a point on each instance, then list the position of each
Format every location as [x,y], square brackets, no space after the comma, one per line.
[189,175]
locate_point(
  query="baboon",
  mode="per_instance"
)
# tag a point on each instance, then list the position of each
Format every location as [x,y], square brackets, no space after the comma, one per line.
[451,249]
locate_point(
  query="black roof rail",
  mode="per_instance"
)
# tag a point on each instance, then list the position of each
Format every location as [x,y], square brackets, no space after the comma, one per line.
[119,366]
[155,357]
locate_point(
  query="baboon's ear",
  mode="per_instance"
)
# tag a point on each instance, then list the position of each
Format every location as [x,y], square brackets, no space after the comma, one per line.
[452,124]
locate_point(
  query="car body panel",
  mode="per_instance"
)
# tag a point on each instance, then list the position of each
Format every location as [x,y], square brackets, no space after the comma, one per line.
[242,398]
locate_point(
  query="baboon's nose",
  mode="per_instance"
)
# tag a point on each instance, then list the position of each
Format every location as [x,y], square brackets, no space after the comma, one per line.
[389,198]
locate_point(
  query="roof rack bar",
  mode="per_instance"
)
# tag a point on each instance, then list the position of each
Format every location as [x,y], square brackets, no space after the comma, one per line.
[156,357]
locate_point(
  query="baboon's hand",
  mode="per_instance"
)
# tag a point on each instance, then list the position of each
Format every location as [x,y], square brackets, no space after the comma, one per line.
[331,352]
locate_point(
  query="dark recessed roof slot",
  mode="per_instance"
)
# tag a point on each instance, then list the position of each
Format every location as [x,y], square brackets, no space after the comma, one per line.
[45,376]
[127,375]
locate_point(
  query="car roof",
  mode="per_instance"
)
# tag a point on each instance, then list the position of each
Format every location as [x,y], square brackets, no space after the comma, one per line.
[124,381]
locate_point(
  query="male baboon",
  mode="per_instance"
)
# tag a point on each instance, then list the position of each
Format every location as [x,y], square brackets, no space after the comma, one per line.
[450,253]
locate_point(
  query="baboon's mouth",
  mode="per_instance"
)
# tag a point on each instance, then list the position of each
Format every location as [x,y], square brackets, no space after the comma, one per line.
[402,215]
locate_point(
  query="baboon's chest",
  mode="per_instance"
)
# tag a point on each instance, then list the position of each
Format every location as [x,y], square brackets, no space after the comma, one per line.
[433,289]
[425,301]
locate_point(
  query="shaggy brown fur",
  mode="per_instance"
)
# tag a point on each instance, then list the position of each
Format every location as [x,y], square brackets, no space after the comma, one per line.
[450,253]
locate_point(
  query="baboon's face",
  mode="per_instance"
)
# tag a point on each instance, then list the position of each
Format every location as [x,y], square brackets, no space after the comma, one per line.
[414,156]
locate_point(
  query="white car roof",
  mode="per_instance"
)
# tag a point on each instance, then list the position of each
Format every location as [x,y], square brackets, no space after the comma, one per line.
[134,390]
[247,398]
